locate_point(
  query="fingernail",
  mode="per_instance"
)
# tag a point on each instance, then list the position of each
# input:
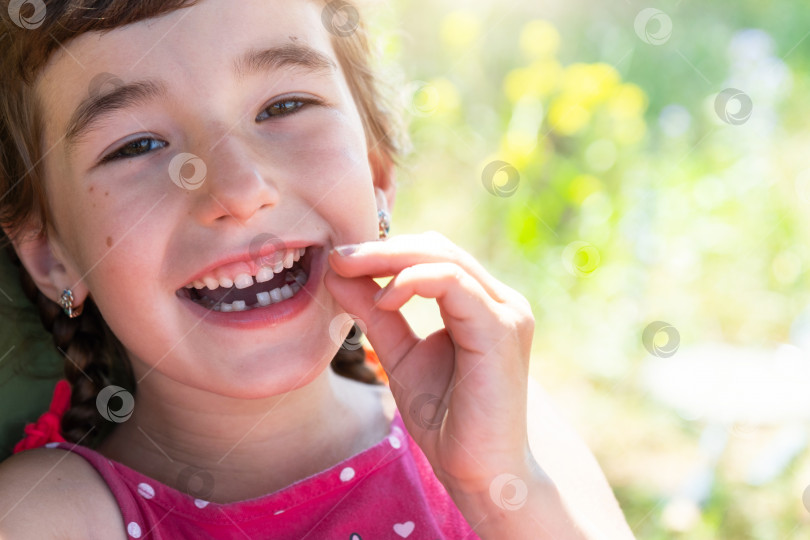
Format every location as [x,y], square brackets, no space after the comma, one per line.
[348,249]
[379,294]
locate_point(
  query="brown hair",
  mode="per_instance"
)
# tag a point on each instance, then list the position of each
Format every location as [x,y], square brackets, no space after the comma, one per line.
[95,358]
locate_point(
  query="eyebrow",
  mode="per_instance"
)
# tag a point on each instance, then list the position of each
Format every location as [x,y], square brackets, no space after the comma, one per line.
[95,108]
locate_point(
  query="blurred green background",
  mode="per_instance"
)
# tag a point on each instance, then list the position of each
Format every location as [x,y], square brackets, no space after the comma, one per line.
[653,168]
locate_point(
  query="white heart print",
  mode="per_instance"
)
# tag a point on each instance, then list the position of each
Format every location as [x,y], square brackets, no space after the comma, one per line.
[404,529]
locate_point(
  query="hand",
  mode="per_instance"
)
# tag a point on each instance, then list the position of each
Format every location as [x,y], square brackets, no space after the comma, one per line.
[476,368]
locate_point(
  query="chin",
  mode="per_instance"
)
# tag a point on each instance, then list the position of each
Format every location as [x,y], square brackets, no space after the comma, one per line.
[267,374]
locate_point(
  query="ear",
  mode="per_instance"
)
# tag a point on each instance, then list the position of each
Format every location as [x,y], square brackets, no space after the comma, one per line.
[41,257]
[384,172]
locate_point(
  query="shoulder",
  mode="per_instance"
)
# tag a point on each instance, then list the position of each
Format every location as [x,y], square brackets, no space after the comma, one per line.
[55,494]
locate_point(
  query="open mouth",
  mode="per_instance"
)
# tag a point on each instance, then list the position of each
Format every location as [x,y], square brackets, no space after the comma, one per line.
[275,281]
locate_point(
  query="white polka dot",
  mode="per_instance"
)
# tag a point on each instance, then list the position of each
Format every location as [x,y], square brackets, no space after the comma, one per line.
[52,445]
[394,440]
[145,490]
[398,431]
[347,474]
[199,503]
[134,530]
[278,512]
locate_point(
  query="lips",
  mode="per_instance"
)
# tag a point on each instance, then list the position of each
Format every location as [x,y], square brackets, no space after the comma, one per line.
[257,282]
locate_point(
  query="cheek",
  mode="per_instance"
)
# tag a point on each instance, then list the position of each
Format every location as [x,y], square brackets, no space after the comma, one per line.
[117,239]
[125,282]
[331,172]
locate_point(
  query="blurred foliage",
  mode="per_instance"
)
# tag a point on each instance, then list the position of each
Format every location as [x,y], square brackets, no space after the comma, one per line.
[636,202]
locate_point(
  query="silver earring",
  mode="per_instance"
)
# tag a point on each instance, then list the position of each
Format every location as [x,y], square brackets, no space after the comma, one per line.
[66,302]
[384,219]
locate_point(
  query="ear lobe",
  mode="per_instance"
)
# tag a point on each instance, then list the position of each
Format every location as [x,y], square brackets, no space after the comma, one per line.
[36,254]
[384,172]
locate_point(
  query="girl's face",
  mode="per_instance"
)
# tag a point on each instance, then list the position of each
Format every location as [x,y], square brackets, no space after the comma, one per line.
[198,146]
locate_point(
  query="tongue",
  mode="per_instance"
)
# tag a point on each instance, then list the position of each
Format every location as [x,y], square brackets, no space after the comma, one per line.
[248,295]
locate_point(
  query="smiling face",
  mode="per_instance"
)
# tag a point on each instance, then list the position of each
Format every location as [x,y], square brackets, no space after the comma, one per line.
[196,147]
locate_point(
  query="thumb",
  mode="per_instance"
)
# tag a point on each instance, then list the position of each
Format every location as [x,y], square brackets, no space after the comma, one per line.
[387,331]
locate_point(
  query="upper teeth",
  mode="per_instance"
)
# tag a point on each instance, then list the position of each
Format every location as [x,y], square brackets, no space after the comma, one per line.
[280,261]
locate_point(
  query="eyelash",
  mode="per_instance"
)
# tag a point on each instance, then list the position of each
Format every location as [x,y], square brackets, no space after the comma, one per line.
[299,101]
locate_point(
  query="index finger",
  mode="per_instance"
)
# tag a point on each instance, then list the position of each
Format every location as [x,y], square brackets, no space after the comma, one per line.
[381,259]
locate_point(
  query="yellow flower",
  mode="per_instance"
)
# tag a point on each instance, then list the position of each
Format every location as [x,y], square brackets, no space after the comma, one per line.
[538,80]
[628,100]
[539,40]
[520,149]
[567,116]
[590,84]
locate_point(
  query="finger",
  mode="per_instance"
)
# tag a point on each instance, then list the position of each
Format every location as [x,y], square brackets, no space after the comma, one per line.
[468,311]
[388,331]
[379,259]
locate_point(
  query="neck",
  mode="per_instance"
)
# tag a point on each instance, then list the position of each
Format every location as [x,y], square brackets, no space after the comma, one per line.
[289,436]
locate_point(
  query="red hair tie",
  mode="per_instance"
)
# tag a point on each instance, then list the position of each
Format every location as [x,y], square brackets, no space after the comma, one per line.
[47,428]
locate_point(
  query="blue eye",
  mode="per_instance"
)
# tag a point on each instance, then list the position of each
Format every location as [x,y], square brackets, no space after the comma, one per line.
[135,149]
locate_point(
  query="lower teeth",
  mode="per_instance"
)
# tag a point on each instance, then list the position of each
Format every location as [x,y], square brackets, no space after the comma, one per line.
[296,280]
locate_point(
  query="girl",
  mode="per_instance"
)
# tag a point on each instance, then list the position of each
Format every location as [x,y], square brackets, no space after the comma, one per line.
[193,190]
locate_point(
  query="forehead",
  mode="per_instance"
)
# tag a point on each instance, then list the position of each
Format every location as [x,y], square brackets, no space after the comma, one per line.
[192,49]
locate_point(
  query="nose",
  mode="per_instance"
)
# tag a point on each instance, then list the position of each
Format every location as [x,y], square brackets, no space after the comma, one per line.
[235,187]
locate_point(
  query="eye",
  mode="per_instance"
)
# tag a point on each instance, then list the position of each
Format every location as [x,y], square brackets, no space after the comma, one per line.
[284,107]
[134,149]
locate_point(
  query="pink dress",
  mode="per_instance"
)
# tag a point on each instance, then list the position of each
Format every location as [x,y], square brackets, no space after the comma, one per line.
[388,491]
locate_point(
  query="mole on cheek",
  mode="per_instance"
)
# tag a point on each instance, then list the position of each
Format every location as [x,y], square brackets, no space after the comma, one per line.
[109,241]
